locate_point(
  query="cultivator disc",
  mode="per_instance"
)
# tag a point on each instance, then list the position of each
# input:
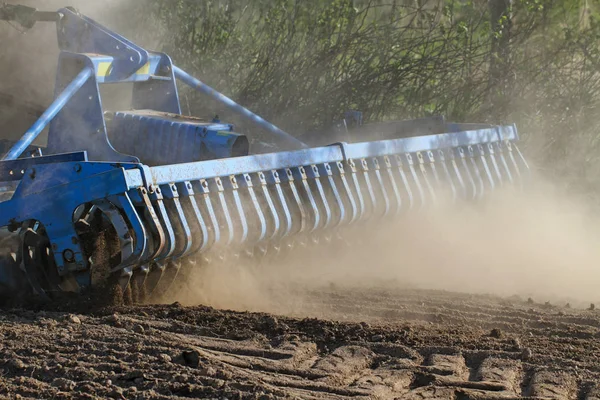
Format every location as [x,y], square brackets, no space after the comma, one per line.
[81,223]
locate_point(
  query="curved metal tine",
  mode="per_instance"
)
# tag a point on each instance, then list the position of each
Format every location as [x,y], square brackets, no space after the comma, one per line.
[223,215]
[476,172]
[371,209]
[183,233]
[461,187]
[496,169]
[339,175]
[273,223]
[503,163]
[394,185]
[30,264]
[156,198]
[471,181]
[338,210]
[297,211]
[208,213]
[488,172]
[426,178]
[157,240]
[138,282]
[524,169]
[314,182]
[232,187]
[359,194]
[126,242]
[280,203]
[300,175]
[140,241]
[449,182]
[257,223]
[380,188]
[287,179]
[168,278]
[198,227]
[157,270]
[408,159]
[431,161]
[405,182]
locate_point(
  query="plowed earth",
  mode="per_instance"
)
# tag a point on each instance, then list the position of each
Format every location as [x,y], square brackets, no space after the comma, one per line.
[385,344]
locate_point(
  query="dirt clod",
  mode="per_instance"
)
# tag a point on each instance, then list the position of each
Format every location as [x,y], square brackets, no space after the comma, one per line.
[74,319]
[526,354]
[190,358]
[496,333]
[63,384]
[137,328]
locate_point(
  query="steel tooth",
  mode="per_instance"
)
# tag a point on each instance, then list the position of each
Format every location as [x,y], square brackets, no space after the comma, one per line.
[492,156]
[524,169]
[394,185]
[234,190]
[477,172]
[448,175]
[207,210]
[371,194]
[274,182]
[340,210]
[190,208]
[181,228]
[271,205]
[300,174]
[157,270]
[425,176]
[288,176]
[340,173]
[486,167]
[459,176]
[382,188]
[218,184]
[505,166]
[156,241]
[467,170]
[122,230]
[513,161]
[139,238]
[257,207]
[167,279]
[156,197]
[139,283]
[405,183]
[359,195]
[411,166]
[314,177]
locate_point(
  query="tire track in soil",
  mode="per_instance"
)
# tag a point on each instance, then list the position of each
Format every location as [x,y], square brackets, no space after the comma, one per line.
[383,344]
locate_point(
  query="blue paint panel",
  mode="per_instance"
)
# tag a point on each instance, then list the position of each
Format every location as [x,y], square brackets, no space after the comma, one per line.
[161,138]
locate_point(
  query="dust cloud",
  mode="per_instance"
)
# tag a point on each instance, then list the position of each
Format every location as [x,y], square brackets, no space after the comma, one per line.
[534,243]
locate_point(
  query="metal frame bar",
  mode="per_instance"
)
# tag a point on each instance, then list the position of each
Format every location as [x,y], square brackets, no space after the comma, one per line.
[48,115]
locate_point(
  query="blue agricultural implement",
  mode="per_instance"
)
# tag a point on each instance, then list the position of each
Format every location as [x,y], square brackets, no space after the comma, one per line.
[143,196]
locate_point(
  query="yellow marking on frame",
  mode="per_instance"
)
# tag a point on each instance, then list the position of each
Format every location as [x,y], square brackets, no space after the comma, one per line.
[145,70]
[104,68]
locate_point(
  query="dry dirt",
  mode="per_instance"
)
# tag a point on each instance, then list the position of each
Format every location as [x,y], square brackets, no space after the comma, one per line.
[368,343]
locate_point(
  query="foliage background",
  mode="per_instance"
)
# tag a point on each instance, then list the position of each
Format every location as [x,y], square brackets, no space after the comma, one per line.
[302,63]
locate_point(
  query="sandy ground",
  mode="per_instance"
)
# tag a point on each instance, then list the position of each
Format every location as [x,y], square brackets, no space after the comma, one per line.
[365,343]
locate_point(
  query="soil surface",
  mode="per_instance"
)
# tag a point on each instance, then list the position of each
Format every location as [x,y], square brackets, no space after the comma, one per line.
[386,344]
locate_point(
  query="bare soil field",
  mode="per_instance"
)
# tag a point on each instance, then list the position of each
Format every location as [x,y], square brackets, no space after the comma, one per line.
[365,343]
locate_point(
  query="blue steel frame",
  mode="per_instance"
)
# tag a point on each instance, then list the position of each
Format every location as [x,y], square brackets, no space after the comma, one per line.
[92,55]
